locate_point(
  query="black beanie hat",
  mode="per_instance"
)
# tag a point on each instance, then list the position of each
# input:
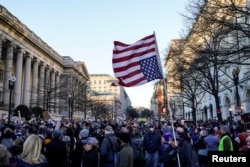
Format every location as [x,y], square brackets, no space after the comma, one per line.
[124,137]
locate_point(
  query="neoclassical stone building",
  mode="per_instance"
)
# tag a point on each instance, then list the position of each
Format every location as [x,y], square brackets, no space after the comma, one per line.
[43,77]
[225,74]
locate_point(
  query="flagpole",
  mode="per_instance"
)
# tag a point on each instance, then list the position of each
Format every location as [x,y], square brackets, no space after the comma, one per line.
[165,92]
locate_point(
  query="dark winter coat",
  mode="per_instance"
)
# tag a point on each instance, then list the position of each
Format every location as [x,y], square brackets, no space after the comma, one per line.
[91,159]
[22,163]
[55,153]
[152,142]
[185,153]
[106,149]
[77,155]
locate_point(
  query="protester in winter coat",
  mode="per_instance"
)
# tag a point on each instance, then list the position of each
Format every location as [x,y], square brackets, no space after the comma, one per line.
[225,143]
[66,139]
[17,148]
[70,133]
[78,151]
[91,157]
[178,152]
[170,158]
[126,155]
[242,137]
[195,135]
[247,146]
[185,151]
[56,150]
[7,140]
[152,146]
[108,147]
[4,156]
[211,141]
[138,150]
[200,146]
[31,155]
[165,144]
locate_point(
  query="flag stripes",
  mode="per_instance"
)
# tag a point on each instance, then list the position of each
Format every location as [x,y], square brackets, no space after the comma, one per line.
[136,64]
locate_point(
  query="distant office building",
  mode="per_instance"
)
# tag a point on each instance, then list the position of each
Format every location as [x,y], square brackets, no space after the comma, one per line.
[101,83]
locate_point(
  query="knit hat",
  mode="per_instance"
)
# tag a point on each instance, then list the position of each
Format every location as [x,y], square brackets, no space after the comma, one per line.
[84,133]
[109,128]
[166,136]
[226,128]
[90,140]
[57,133]
[66,138]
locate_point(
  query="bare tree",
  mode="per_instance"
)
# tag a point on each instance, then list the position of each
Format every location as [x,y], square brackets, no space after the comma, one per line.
[183,80]
[229,16]
[218,37]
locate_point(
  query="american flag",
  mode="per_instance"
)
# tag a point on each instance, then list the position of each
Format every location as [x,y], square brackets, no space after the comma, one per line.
[136,64]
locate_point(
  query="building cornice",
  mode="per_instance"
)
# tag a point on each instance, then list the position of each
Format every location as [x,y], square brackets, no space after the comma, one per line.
[13,25]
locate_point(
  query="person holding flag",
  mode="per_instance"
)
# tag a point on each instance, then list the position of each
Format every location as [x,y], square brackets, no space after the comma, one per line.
[137,64]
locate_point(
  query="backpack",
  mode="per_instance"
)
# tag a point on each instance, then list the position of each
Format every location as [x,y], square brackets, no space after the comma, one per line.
[116,153]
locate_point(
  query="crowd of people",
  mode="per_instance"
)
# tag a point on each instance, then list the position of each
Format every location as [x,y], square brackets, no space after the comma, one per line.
[105,143]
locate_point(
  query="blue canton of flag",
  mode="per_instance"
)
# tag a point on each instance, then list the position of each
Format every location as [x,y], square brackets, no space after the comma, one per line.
[150,68]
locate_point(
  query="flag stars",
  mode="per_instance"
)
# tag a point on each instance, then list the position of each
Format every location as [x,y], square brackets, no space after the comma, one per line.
[150,68]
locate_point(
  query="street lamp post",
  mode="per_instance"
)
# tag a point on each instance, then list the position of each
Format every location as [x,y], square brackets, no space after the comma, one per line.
[231,118]
[69,106]
[12,80]
[172,106]
[235,74]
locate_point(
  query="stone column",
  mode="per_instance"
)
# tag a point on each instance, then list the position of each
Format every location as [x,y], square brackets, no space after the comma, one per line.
[47,89]
[8,72]
[41,86]
[26,91]
[52,92]
[57,92]
[1,46]
[34,84]
[2,38]
[19,73]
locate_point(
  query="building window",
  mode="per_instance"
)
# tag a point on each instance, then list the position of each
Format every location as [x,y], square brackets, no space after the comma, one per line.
[100,81]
